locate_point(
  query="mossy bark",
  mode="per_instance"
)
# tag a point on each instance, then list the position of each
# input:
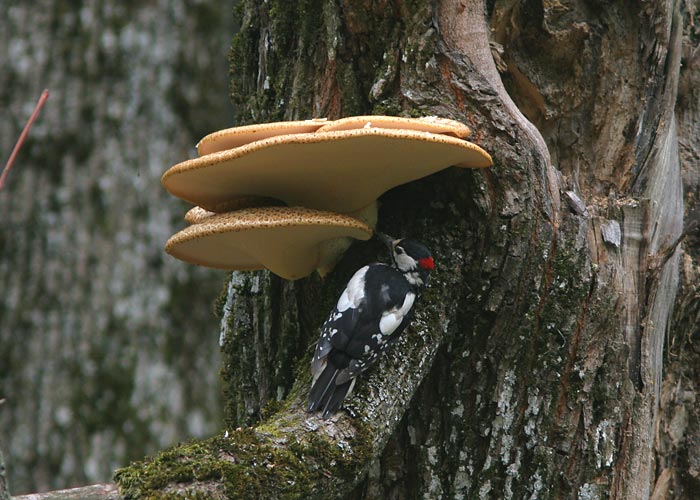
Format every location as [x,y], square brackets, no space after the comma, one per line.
[534,368]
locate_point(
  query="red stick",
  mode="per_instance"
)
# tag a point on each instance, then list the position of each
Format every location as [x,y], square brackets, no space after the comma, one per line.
[23,136]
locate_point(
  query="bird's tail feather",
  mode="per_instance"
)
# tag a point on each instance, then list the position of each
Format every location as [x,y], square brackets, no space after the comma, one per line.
[335,398]
[322,389]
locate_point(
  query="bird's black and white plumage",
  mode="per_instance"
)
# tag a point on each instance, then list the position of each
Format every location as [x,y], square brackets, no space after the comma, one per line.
[373,310]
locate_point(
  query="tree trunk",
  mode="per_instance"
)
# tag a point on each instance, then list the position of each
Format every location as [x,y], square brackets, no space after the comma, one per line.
[103,355]
[544,361]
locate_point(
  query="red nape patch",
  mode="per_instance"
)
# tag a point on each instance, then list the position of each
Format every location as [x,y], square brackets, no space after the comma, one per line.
[427,263]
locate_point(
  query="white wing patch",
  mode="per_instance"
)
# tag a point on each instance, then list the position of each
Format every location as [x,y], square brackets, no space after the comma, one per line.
[392,319]
[414,278]
[354,293]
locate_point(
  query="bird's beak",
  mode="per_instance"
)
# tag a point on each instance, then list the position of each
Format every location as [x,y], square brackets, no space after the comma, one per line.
[385,238]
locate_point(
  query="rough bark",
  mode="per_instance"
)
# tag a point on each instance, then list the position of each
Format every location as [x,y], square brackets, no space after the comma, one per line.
[534,369]
[104,356]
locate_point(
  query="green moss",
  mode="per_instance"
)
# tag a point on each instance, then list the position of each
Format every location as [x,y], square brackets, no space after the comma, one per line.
[249,463]
[220,301]
[243,60]
[311,46]
[390,107]
[354,99]
[279,89]
[269,410]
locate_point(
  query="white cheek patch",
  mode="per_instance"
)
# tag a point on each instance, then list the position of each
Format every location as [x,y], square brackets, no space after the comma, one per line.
[354,293]
[392,319]
[404,262]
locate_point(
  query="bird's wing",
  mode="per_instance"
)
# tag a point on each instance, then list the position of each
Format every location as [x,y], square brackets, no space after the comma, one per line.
[353,295]
[392,318]
[341,322]
[333,333]
[374,338]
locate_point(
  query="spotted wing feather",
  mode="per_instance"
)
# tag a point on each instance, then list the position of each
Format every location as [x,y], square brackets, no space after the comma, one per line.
[336,322]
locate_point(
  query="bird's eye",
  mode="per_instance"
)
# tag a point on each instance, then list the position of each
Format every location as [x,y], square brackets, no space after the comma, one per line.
[400,250]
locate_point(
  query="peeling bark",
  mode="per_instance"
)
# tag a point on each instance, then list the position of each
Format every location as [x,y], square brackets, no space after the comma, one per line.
[677,473]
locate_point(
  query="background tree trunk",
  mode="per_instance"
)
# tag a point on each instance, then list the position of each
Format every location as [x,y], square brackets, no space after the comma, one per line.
[104,356]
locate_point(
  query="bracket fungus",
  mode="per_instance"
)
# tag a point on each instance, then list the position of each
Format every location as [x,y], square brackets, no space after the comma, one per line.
[432,124]
[330,251]
[285,240]
[290,196]
[230,138]
[340,171]
[195,215]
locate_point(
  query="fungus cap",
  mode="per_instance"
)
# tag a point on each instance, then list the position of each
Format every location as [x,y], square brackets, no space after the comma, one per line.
[433,124]
[285,240]
[339,171]
[230,138]
[197,214]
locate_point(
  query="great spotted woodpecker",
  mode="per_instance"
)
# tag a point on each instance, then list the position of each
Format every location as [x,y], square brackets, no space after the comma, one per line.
[373,310]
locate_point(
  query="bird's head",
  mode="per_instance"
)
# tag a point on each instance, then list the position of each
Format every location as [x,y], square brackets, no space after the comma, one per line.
[410,257]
